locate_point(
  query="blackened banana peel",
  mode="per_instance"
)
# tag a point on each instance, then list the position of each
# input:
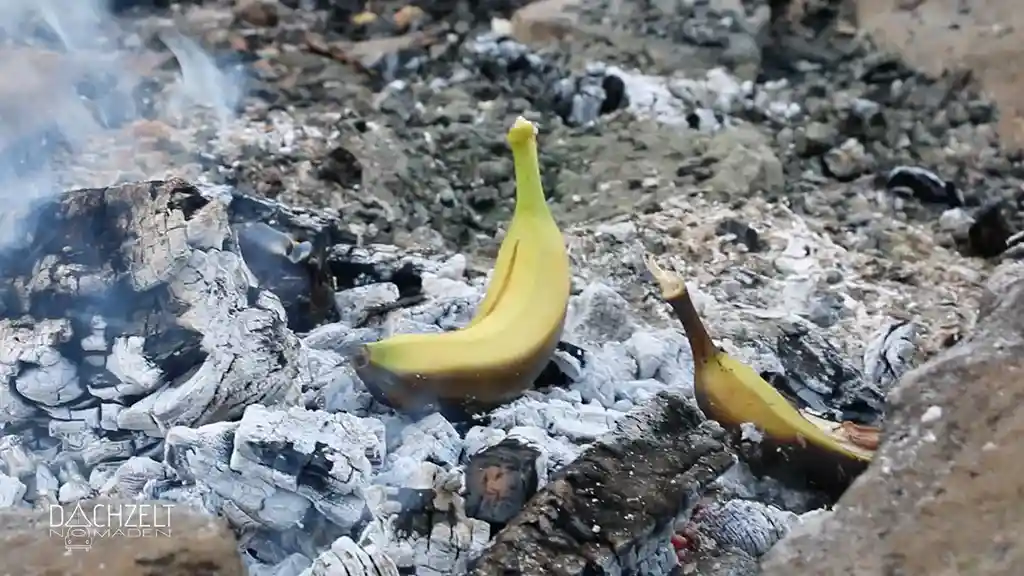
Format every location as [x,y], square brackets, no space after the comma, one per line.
[827,455]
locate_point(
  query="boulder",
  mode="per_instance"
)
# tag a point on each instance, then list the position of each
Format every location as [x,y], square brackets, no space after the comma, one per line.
[144,538]
[935,36]
[943,495]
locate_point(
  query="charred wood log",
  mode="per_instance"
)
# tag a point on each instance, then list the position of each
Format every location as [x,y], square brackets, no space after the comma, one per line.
[130,309]
[287,248]
[500,480]
[606,512]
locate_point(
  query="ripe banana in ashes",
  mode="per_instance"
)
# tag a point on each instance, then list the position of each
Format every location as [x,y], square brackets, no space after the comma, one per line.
[516,327]
[827,455]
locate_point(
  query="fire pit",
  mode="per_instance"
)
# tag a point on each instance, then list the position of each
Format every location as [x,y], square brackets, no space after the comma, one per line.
[209,208]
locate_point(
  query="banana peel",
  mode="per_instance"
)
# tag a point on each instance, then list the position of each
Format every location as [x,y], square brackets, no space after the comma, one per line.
[826,455]
[516,327]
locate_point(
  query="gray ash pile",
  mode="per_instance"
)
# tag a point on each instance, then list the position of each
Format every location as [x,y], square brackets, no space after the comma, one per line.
[193,389]
[189,261]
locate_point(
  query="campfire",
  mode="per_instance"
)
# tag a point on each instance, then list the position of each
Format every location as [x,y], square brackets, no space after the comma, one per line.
[195,258]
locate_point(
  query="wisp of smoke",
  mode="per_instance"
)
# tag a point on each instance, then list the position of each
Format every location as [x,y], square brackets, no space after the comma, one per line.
[68,76]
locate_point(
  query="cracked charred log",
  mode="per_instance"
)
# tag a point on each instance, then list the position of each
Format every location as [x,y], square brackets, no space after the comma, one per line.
[129,310]
[604,512]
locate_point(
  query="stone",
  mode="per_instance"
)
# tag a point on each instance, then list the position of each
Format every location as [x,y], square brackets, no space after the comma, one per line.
[947,35]
[816,139]
[847,161]
[745,163]
[257,12]
[951,451]
[544,21]
[191,544]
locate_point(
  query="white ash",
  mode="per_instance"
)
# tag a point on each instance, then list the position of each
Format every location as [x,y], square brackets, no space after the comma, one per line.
[309,453]
[21,342]
[248,352]
[293,565]
[16,460]
[136,374]
[446,549]
[203,456]
[740,482]
[750,526]
[130,478]
[12,491]
[347,557]
[430,438]
[554,453]
[339,482]
[73,485]
[890,353]
[750,432]
[704,103]
[575,421]
[432,493]
[354,305]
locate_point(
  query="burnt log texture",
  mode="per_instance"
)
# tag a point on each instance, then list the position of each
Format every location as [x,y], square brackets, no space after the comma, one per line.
[610,511]
[129,309]
[500,480]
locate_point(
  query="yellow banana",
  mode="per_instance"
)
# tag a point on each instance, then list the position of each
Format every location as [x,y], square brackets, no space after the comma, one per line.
[502,266]
[511,340]
[829,455]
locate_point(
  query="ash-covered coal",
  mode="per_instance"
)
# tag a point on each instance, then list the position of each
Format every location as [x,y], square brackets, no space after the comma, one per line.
[130,311]
[166,369]
[194,388]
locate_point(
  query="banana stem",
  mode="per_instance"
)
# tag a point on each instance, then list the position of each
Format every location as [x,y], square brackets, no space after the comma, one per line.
[529,190]
[674,292]
[700,342]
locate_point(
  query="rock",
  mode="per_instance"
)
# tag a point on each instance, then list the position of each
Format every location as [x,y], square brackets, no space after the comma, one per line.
[544,21]
[742,233]
[746,163]
[581,100]
[943,35]
[262,13]
[956,221]
[153,538]
[951,451]
[847,161]
[988,235]
[815,139]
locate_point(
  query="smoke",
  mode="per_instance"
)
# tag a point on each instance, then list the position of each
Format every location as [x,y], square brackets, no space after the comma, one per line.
[75,84]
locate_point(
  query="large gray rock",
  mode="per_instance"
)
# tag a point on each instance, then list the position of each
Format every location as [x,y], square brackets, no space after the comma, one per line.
[943,495]
[186,543]
[936,36]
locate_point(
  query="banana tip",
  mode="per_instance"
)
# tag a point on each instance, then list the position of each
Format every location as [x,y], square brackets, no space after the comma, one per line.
[521,132]
[671,285]
[360,357]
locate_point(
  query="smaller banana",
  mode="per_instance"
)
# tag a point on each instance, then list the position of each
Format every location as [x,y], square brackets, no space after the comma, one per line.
[828,455]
